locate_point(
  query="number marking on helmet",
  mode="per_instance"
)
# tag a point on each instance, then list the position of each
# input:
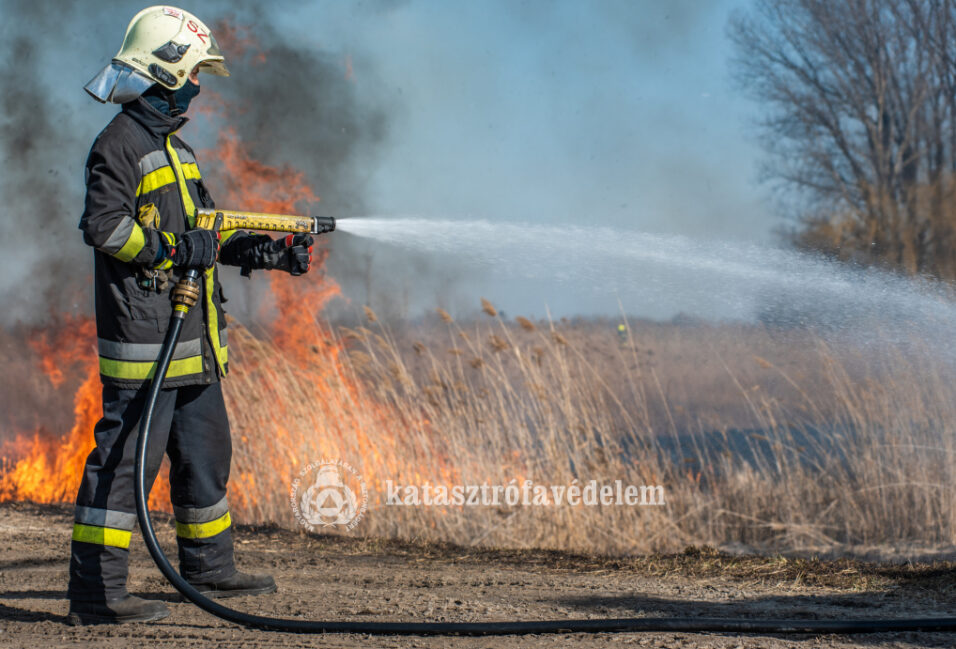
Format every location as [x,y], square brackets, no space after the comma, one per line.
[194,28]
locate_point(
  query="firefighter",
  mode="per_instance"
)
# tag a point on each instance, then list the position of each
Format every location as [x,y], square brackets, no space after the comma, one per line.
[622,334]
[143,186]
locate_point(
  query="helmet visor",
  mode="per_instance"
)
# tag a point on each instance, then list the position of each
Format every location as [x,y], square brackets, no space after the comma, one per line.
[214,66]
[117,83]
[215,63]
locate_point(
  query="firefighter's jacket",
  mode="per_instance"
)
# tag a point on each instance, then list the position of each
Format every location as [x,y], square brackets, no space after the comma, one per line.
[137,159]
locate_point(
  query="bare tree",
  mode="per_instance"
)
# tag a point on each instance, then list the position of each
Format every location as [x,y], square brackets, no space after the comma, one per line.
[861,122]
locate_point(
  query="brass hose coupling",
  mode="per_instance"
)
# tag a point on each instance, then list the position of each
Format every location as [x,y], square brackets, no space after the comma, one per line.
[185,293]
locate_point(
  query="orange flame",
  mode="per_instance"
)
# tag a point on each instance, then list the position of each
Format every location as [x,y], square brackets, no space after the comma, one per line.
[48,468]
[292,398]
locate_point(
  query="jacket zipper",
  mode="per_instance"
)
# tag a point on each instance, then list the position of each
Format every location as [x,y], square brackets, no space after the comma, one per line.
[206,348]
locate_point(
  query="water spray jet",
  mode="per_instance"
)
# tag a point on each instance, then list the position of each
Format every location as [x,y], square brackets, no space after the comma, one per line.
[185,299]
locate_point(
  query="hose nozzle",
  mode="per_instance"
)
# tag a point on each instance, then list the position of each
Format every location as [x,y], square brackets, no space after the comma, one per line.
[323,224]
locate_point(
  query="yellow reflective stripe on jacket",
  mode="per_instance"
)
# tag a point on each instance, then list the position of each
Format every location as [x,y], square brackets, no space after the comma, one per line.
[191,170]
[144,370]
[188,204]
[133,245]
[217,349]
[101,535]
[203,530]
[225,234]
[156,179]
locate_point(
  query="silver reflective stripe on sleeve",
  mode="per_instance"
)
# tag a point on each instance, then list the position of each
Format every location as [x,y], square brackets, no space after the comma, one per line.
[104,518]
[119,237]
[185,157]
[146,351]
[153,161]
[201,514]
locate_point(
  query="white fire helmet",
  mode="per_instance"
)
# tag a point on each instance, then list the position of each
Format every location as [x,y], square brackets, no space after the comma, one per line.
[162,45]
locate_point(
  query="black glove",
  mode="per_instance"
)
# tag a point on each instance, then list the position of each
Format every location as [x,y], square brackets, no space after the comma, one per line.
[194,249]
[293,254]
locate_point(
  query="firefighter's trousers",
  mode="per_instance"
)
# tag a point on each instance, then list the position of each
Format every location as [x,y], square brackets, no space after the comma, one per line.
[190,424]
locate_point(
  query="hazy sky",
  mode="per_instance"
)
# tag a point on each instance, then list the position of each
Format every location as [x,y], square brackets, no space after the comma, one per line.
[609,113]
[615,112]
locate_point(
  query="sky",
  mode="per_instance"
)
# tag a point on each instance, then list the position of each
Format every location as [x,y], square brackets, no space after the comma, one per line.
[617,114]
[614,112]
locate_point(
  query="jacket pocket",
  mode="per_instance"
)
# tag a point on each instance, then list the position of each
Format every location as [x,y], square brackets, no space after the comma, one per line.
[137,303]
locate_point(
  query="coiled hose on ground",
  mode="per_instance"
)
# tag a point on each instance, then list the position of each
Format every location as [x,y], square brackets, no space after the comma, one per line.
[637,624]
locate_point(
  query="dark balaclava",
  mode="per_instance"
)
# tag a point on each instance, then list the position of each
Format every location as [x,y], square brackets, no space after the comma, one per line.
[172,103]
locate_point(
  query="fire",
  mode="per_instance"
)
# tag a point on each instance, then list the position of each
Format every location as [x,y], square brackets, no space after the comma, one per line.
[48,467]
[239,40]
[293,396]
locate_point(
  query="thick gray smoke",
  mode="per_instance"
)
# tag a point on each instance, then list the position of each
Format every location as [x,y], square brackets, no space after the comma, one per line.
[40,142]
[287,105]
[605,113]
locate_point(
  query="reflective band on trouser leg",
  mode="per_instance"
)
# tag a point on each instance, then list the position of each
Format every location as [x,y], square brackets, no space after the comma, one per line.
[203,530]
[101,535]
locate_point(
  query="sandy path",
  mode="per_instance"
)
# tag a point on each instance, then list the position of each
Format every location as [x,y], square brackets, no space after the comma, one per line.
[339,578]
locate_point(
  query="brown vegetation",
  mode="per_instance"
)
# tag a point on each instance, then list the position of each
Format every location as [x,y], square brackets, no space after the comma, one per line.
[861,122]
[761,438]
[771,439]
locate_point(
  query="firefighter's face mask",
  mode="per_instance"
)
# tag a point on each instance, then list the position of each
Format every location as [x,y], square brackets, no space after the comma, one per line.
[179,102]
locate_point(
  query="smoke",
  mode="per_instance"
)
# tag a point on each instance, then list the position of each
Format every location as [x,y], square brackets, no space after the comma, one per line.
[295,106]
[569,113]
[288,105]
[533,112]
[299,107]
[38,139]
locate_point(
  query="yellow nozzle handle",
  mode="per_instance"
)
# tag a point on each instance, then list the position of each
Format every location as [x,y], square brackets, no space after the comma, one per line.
[218,220]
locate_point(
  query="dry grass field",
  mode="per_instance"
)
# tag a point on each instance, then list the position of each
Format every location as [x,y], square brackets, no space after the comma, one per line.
[766,440]
[763,439]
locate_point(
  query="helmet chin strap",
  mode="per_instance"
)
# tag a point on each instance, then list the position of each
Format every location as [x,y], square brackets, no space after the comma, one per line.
[174,109]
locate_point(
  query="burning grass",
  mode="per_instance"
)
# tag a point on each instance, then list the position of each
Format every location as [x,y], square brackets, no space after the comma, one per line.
[758,436]
[766,438]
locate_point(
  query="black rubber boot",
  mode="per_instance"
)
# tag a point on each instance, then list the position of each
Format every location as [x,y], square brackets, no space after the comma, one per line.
[117,611]
[240,583]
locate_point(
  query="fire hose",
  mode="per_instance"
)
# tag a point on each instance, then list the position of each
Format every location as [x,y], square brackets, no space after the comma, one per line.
[185,295]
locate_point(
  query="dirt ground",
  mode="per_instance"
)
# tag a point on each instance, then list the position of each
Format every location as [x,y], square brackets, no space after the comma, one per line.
[337,578]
